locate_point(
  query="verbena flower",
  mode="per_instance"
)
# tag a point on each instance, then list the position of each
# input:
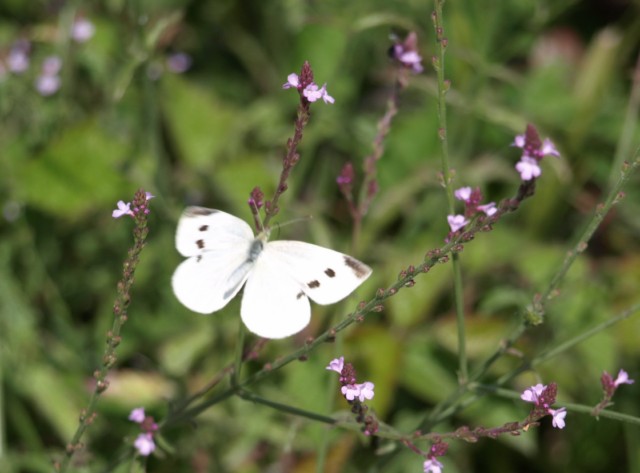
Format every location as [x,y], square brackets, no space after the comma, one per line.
[336,365]
[623,378]
[179,62]
[293,81]
[558,417]
[137,415]
[533,393]
[463,194]
[124,208]
[366,390]
[18,57]
[406,53]
[82,30]
[144,444]
[489,209]
[456,222]
[528,168]
[312,92]
[533,150]
[543,397]
[432,465]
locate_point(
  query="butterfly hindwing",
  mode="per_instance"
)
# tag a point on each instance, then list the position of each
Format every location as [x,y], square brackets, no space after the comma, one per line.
[325,275]
[273,304]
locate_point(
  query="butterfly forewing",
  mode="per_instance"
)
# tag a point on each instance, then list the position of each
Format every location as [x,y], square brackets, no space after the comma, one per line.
[201,229]
[218,245]
[325,275]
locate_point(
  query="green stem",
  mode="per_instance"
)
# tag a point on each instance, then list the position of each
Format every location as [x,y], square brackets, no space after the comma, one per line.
[249,396]
[120,313]
[443,87]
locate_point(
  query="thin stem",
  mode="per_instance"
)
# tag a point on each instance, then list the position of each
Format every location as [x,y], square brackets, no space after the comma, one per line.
[601,211]
[120,306]
[443,87]
[629,125]
[249,396]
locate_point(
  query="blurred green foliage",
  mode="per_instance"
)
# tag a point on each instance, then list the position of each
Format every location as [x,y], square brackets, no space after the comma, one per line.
[122,120]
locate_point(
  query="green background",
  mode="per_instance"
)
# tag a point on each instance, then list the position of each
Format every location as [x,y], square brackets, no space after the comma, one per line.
[122,121]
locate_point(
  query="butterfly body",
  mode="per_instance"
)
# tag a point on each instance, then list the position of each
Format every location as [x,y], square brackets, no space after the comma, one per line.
[279,277]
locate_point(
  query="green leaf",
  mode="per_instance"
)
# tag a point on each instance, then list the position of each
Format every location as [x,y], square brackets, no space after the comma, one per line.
[74,173]
[200,122]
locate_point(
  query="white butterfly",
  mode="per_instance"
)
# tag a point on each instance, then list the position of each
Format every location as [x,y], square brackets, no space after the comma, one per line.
[223,254]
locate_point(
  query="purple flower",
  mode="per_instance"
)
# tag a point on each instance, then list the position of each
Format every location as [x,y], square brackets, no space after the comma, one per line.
[313,93]
[82,30]
[463,194]
[489,209]
[366,390]
[558,417]
[361,391]
[528,168]
[18,57]
[456,222]
[432,465]
[549,149]
[47,85]
[144,444]
[123,209]
[336,365]
[179,62]
[137,415]
[623,378]
[533,150]
[293,81]
[533,393]
[48,82]
[406,53]
[350,391]
[51,65]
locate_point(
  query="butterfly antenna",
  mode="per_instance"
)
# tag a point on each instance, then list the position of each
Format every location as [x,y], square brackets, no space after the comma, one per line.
[295,220]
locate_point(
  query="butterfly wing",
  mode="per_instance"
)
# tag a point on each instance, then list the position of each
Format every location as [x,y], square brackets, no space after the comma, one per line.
[218,246]
[325,275]
[273,304]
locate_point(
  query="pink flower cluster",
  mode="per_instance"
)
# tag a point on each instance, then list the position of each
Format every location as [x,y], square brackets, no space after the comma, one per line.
[543,397]
[406,53]
[431,464]
[355,393]
[124,208]
[471,198]
[144,443]
[350,390]
[533,150]
[310,91]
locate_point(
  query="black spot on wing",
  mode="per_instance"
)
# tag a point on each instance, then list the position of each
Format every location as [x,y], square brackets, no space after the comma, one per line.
[313,284]
[300,295]
[360,270]
[330,272]
[198,258]
[200,244]
[204,228]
